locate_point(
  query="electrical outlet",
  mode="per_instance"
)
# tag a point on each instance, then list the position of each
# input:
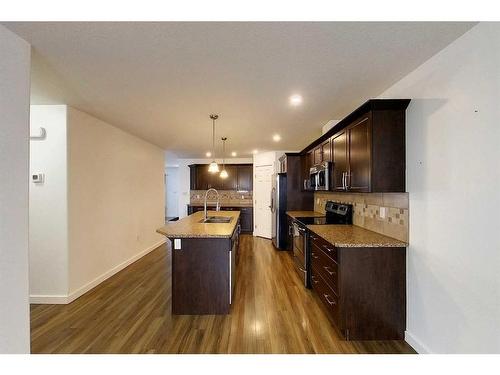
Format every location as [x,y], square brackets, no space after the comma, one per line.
[317,200]
[177,244]
[383,212]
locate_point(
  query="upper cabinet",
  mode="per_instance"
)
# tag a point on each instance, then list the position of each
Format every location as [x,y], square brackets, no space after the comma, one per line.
[240,177]
[245,177]
[339,160]
[367,148]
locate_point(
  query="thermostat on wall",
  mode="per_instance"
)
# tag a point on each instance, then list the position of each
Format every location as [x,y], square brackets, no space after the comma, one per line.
[38,178]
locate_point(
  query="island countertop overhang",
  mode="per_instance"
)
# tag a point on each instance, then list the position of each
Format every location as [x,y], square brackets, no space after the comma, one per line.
[191,227]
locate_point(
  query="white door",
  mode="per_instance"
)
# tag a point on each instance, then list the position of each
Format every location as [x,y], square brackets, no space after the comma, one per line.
[262,186]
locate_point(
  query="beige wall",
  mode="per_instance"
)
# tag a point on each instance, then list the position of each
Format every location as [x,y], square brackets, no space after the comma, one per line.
[14,135]
[453,176]
[116,199]
[367,211]
[49,205]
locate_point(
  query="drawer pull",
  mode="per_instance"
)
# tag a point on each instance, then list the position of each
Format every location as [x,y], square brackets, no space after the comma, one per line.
[328,299]
[313,254]
[314,238]
[314,280]
[327,248]
[329,270]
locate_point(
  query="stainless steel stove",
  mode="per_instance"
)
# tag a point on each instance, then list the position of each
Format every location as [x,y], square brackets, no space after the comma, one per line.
[335,213]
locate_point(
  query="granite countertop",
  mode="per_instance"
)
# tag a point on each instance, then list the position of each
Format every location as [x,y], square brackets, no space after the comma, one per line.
[353,236]
[190,226]
[296,214]
[225,204]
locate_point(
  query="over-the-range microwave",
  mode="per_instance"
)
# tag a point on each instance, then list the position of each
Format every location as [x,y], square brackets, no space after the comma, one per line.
[319,176]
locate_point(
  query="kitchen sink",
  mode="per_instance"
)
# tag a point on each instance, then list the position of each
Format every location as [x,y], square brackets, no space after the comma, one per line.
[216,219]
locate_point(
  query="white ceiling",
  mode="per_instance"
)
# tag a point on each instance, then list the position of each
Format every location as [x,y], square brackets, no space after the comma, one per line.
[160,81]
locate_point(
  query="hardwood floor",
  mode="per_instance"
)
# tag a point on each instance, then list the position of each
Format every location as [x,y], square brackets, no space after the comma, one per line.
[131,313]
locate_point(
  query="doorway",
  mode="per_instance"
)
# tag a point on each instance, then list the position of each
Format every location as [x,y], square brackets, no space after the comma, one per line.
[262,200]
[171,192]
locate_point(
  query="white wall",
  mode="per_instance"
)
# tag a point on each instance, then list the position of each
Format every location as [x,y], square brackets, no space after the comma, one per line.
[453,179]
[48,229]
[14,120]
[116,199]
[184,178]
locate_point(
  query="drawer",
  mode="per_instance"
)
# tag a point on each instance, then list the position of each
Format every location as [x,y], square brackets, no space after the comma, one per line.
[326,295]
[326,268]
[325,246]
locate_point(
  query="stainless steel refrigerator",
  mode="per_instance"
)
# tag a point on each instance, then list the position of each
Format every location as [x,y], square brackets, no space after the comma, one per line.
[278,210]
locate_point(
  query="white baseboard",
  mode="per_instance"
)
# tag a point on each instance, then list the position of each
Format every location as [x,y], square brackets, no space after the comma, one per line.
[65,299]
[41,299]
[416,344]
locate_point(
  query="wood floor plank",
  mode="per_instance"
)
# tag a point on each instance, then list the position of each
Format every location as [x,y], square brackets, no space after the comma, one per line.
[131,313]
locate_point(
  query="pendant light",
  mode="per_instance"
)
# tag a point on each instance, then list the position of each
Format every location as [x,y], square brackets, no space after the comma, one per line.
[223,173]
[213,167]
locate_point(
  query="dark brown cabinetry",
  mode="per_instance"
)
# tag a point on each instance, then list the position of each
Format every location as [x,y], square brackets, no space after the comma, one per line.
[358,174]
[317,155]
[339,159]
[240,177]
[245,177]
[363,289]
[246,215]
[326,154]
[367,148]
[246,219]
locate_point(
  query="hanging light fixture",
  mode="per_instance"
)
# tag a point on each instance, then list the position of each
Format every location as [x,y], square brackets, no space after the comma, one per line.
[213,167]
[223,173]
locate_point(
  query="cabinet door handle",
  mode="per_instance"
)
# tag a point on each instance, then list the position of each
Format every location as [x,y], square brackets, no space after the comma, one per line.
[327,248]
[314,280]
[343,180]
[328,299]
[329,270]
[313,254]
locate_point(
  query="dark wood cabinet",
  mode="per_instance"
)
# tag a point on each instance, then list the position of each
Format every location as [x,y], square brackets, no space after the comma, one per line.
[240,177]
[339,161]
[362,289]
[317,155]
[289,242]
[245,177]
[326,154]
[367,148]
[231,182]
[246,219]
[358,175]
[246,215]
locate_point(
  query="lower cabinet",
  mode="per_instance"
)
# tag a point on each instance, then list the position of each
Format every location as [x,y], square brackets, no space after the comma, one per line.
[246,215]
[362,288]
[246,218]
[289,237]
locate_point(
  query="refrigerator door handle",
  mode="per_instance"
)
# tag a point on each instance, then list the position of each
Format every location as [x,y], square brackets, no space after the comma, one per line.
[271,206]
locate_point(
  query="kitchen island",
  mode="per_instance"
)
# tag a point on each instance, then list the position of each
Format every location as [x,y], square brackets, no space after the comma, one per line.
[204,257]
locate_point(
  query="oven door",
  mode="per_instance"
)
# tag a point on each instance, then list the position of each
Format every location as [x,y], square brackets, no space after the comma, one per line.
[313,180]
[300,251]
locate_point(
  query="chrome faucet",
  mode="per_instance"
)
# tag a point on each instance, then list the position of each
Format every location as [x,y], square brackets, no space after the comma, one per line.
[217,208]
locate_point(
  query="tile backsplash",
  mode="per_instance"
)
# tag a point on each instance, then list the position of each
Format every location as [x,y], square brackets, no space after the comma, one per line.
[227,197]
[385,213]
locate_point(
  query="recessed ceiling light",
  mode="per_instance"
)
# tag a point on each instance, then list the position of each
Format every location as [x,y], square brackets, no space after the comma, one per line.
[295,100]
[208,154]
[276,138]
[233,154]
[255,152]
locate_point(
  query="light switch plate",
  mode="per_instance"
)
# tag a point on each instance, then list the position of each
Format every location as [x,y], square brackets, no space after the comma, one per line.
[177,243]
